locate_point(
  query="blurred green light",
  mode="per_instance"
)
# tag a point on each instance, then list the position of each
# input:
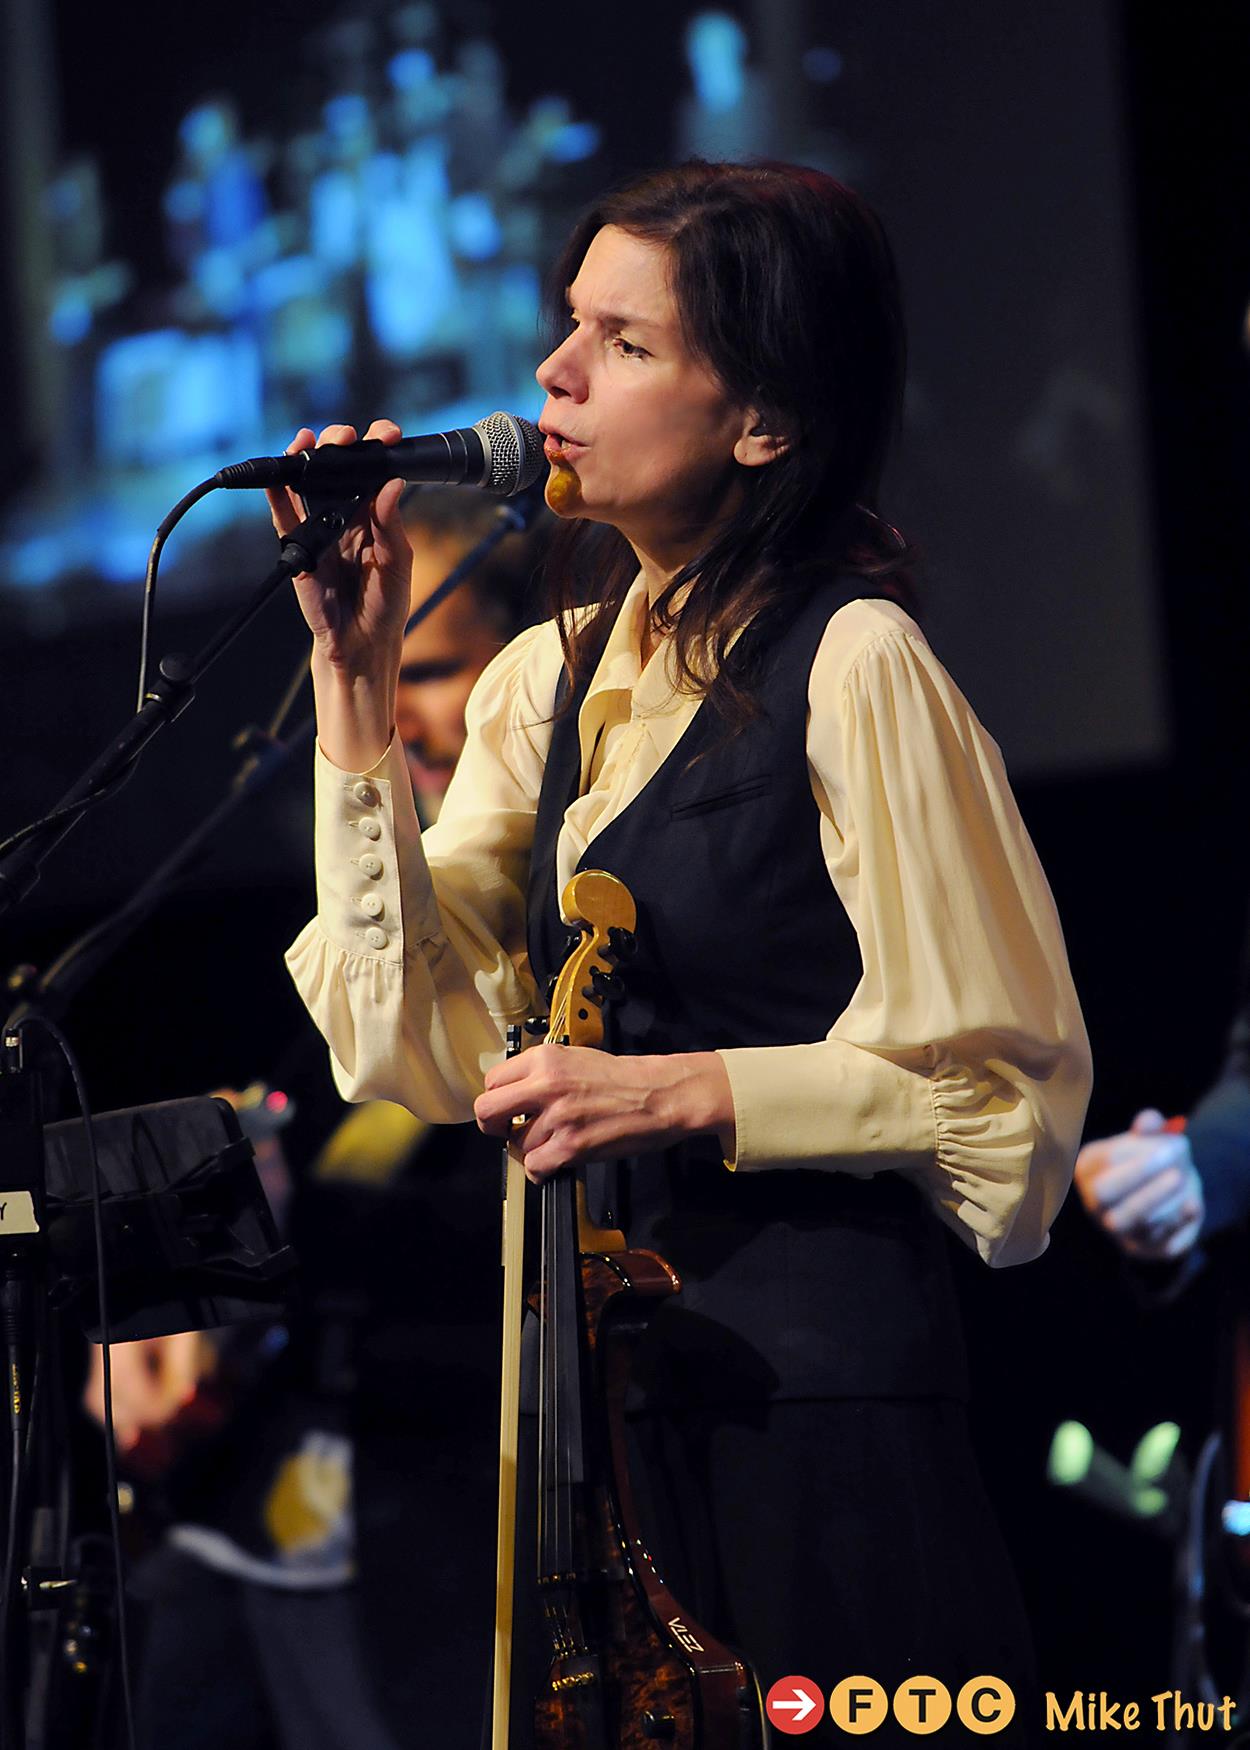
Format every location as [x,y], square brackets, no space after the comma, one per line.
[1154,1452]
[1071,1452]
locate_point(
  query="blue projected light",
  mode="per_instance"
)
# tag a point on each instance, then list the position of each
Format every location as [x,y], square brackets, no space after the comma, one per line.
[377,249]
[70,317]
[474,228]
[410,70]
[572,143]
[169,394]
[715,49]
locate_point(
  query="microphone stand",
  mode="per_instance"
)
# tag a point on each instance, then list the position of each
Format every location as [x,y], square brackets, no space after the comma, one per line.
[265,756]
[168,697]
[23,1196]
[36,1533]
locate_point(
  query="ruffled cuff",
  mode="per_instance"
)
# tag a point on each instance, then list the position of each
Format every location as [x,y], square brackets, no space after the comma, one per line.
[342,991]
[988,1181]
[968,1138]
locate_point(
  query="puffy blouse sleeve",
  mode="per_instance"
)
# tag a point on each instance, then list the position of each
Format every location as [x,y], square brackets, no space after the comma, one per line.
[416,963]
[961,1060]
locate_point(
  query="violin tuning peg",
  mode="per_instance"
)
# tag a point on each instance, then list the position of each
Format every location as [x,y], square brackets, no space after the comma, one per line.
[604,986]
[536,1025]
[572,942]
[623,944]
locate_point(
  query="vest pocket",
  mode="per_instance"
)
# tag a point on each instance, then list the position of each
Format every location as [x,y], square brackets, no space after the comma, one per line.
[758,785]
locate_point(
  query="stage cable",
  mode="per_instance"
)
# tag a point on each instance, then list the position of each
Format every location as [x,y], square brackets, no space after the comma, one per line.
[110,1446]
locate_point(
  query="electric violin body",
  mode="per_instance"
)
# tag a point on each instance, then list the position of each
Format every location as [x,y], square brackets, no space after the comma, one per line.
[630,1667]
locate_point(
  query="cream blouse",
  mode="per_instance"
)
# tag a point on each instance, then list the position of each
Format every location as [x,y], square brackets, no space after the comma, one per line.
[961,1060]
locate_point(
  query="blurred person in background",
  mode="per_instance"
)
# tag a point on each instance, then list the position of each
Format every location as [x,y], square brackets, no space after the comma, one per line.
[1164,1185]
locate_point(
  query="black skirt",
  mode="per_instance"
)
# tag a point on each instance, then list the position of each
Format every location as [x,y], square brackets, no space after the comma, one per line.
[831,1539]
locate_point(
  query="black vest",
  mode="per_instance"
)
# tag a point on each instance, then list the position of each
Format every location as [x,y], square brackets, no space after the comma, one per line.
[796,1283]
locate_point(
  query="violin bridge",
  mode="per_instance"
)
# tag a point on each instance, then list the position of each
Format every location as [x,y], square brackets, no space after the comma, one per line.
[572,1680]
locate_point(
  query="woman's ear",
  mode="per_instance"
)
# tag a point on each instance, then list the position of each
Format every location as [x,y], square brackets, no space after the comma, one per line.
[760,441]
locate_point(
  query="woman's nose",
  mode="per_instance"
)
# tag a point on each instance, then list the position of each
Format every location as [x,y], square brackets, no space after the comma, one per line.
[560,372]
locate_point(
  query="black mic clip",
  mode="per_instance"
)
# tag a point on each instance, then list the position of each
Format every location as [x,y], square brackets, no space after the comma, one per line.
[173,685]
[304,545]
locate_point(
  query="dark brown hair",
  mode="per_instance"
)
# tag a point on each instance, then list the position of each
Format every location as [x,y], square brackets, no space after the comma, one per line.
[786,288]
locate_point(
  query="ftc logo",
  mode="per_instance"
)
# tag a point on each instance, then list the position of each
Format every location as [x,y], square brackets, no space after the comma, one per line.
[858,1705]
[794,1705]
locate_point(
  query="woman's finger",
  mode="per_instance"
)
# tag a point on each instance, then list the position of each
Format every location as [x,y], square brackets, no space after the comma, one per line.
[389,524]
[542,1163]
[495,1110]
[512,1069]
[284,506]
[552,1144]
[551,1059]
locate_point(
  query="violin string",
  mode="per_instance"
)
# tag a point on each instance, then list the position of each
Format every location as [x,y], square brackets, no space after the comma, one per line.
[556,1284]
[548,1336]
[543,1362]
[545,1430]
[569,1374]
[571,1325]
[558,1031]
[547,1291]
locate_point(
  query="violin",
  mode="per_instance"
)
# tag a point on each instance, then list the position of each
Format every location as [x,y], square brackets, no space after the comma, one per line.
[630,1666]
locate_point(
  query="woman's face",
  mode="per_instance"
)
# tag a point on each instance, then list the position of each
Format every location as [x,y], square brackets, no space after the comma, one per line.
[639,432]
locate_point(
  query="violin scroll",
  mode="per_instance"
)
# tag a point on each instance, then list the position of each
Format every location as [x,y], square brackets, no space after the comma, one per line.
[604,912]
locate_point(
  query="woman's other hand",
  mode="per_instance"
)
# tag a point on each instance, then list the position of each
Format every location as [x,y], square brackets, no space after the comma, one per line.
[566,1105]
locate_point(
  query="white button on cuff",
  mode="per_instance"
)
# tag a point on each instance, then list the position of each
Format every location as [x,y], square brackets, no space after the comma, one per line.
[375,937]
[370,864]
[369,829]
[367,794]
[371,905]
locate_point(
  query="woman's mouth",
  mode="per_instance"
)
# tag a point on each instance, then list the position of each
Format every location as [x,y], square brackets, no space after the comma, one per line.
[558,448]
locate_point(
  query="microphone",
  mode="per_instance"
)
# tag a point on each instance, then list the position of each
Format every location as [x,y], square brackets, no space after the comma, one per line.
[502,453]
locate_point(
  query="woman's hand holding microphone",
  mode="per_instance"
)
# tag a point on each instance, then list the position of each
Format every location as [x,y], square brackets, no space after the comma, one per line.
[356,605]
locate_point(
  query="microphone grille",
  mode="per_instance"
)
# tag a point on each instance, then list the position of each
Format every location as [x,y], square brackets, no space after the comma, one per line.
[514,453]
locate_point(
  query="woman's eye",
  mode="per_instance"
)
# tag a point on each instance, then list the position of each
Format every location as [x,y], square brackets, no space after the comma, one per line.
[627,348]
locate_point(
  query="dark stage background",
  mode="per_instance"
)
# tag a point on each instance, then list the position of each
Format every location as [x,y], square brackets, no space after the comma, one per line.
[1067,188]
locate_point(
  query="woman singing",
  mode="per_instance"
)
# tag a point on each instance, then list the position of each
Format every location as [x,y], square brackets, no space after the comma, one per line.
[850,1024]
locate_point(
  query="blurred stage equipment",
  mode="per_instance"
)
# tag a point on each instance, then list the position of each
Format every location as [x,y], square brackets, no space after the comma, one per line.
[1151,1489]
[1208,1529]
[157,1211]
